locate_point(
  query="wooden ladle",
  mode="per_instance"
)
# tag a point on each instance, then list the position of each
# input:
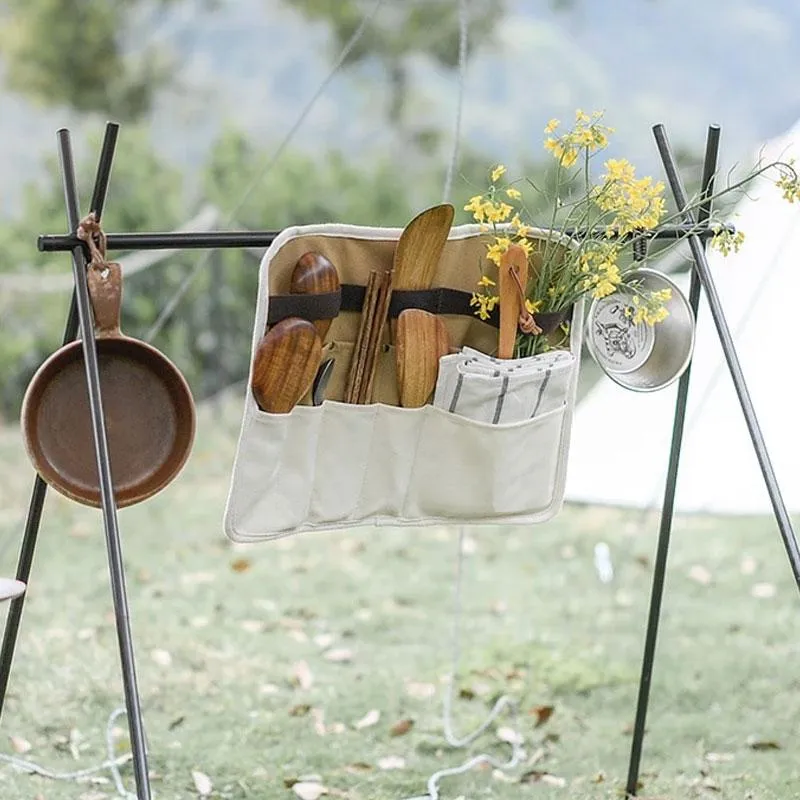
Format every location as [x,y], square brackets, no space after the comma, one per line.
[421,341]
[286,361]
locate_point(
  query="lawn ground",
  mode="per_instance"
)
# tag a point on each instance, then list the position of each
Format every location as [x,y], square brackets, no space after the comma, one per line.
[323,657]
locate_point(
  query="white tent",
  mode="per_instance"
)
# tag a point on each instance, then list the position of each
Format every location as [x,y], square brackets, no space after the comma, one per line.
[620,439]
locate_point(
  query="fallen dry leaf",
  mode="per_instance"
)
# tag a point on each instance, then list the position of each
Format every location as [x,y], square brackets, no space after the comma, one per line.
[161,657]
[20,745]
[536,756]
[748,565]
[510,736]
[623,598]
[754,743]
[358,768]
[542,714]
[319,721]
[302,677]
[369,719]
[202,783]
[309,790]
[600,777]
[718,758]
[499,607]
[241,564]
[339,655]
[392,762]
[299,710]
[700,574]
[194,578]
[763,590]
[537,776]
[401,727]
[420,691]
[323,640]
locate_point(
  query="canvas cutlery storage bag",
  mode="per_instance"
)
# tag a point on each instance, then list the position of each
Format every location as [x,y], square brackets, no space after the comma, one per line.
[340,465]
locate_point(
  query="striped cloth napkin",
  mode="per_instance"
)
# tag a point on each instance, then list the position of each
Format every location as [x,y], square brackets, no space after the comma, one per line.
[501,391]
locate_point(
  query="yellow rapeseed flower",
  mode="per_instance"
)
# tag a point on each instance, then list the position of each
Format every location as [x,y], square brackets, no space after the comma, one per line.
[551,126]
[495,250]
[513,193]
[475,205]
[497,212]
[725,241]
[525,245]
[498,172]
[531,306]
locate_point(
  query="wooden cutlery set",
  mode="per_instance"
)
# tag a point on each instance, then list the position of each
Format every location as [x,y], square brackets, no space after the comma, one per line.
[288,360]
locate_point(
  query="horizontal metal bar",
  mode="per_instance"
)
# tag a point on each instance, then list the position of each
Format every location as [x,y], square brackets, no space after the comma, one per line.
[165,241]
[51,243]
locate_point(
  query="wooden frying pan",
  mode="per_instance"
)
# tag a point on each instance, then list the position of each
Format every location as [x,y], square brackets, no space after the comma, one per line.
[148,407]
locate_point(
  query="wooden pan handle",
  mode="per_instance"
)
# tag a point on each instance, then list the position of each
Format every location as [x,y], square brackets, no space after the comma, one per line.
[105,294]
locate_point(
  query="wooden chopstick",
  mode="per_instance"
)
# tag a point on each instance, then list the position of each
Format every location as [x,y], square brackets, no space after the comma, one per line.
[376,335]
[355,375]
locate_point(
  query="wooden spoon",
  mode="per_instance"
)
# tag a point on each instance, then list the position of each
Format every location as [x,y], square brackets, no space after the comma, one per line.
[419,248]
[514,260]
[285,364]
[314,274]
[421,341]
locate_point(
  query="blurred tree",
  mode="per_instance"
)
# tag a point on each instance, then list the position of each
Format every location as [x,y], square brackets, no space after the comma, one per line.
[399,32]
[78,54]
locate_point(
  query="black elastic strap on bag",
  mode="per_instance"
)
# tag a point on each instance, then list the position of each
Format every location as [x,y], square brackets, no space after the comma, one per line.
[351,298]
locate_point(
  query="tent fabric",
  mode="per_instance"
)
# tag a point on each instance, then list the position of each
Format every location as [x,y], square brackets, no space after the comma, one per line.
[621,439]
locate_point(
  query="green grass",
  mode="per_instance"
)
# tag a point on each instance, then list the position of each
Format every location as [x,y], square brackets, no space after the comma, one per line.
[537,623]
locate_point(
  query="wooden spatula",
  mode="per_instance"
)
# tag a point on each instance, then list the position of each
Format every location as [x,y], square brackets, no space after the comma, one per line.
[421,341]
[286,361]
[419,248]
[514,260]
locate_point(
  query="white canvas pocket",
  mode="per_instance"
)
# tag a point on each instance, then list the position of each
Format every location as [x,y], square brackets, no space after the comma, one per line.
[468,470]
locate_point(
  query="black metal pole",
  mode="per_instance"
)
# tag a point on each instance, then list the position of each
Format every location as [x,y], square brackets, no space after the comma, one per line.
[107,500]
[668,507]
[51,243]
[39,492]
[732,359]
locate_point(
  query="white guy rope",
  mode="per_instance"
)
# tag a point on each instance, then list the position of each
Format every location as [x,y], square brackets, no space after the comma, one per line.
[169,308]
[517,753]
[112,764]
[463,30]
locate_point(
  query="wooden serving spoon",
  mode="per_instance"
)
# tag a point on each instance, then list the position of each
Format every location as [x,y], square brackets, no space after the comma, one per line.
[286,361]
[421,341]
[314,274]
